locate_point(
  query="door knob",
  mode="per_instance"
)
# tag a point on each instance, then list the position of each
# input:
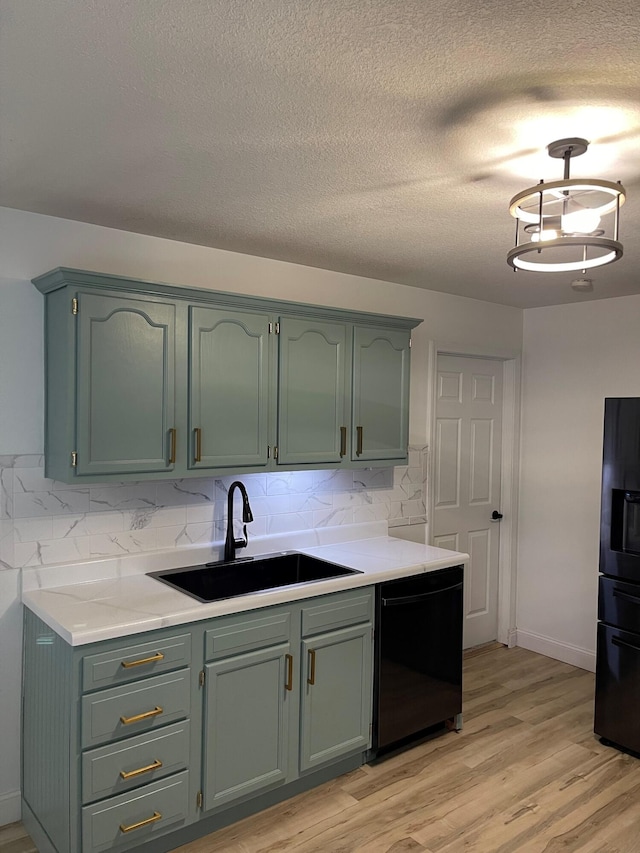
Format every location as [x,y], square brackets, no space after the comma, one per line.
[495,515]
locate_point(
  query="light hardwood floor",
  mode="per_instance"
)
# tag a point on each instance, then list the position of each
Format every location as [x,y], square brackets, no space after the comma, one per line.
[526,774]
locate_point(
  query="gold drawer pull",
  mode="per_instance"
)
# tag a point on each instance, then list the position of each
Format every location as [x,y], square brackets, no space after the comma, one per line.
[359,432]
[129,663]
[312,667]
[289,682]
[197,456]
[172,448]
[131,773]
[126,720]
[154,817]
[343,441]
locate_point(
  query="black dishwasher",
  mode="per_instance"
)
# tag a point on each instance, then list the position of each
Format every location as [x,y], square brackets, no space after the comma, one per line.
[418,654]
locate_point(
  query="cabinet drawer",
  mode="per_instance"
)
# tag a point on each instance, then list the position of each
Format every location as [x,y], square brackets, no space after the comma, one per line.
[136,817]
[337,611]
[119,767]
[237,634]
[132,662]
[135,708]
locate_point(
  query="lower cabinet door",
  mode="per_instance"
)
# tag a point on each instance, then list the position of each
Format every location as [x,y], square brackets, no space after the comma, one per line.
[137,816]
[336,695]
[246,725]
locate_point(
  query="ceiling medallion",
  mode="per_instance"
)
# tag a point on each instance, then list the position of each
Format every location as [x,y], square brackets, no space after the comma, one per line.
[561,226]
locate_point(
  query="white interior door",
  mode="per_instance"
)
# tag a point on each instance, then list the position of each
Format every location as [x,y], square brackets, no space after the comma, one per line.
[466,471]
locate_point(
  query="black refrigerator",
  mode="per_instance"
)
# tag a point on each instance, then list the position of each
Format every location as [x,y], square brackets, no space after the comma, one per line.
[617,706]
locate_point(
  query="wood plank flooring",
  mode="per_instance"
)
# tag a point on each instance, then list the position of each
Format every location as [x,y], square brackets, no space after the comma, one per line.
[526,775]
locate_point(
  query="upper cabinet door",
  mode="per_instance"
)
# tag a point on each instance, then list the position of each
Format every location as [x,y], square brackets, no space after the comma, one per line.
[380,425]
[228,388]
[311,396]
[125,384]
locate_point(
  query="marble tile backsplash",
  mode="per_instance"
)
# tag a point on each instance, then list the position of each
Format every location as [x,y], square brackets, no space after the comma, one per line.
[44,522]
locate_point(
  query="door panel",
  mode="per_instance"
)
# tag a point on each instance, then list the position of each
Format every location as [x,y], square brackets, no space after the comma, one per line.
[380,394]
[448,462]
[336,708]
[311,402]
[228,388]
[466,469]
[245,725]
[126,404]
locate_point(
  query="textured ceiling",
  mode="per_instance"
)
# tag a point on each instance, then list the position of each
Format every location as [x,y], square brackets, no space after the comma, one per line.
[374,137]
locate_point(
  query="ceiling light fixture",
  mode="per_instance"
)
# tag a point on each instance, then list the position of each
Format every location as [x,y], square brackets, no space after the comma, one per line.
[564,222]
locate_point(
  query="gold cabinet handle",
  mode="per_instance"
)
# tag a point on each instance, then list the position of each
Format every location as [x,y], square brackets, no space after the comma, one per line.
[359,441]
[343,441]
[289,682]
[154,817]
[126,720]
[131,773]
[129,663]
[197,456]
[173,434]
[312,667]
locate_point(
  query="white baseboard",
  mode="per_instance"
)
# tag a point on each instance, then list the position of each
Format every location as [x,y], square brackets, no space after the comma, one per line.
[10,807]
[565,652]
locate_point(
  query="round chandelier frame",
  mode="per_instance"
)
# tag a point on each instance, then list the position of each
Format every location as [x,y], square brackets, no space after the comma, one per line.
[552,240]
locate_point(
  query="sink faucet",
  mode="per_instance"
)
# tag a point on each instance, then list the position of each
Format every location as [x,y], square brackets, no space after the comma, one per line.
[231,543]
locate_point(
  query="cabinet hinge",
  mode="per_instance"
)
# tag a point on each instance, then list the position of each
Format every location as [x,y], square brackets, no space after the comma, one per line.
[277,328]
[74,305]
[199,799]
[201,678]
[275,451]
[74,459]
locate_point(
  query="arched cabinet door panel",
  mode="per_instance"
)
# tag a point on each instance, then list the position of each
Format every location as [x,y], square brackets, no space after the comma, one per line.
[380,411]
[228,388]
[125,409]
[311,391]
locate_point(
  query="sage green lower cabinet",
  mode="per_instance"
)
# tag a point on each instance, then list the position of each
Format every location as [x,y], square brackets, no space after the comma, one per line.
[246,725]
[336,696]
[148,741]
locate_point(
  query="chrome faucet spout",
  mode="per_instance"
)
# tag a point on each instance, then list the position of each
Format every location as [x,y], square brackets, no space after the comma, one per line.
[230,542]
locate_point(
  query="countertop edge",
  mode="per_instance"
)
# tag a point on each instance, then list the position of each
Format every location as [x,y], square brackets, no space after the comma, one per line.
[57,607]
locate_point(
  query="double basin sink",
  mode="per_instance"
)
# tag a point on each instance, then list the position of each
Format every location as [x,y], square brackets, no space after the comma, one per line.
[217,581]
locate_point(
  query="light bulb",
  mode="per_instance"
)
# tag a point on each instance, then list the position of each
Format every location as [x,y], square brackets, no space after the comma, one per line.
[547,234]
[580,222]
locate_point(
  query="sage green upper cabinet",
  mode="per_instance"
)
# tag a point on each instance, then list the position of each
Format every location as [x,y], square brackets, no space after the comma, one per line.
[228,388]
[125,414]
[380,413]
[148,381]
[311,391]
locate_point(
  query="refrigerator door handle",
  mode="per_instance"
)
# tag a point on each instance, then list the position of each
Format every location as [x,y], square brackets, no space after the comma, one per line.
[618,642]
[618,593]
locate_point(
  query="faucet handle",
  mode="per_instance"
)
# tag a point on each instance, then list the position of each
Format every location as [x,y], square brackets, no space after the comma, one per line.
[242,543]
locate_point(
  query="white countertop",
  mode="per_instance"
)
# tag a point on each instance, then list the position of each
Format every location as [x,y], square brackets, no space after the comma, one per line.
[104,609]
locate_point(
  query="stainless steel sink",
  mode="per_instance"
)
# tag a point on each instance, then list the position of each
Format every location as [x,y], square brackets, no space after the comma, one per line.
[216,581]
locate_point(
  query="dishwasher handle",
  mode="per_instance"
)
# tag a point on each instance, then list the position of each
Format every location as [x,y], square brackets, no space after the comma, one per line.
[414,599]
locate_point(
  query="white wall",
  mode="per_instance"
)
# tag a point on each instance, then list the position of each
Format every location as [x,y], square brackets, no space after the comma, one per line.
[31,244]
[574,356]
